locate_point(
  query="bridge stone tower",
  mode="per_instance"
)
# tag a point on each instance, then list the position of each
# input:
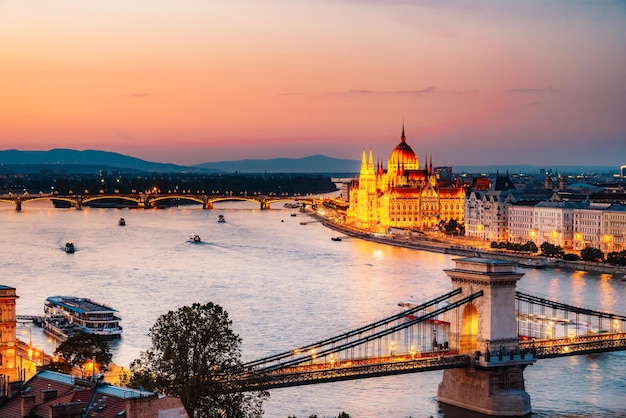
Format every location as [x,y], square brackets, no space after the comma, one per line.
[486,329]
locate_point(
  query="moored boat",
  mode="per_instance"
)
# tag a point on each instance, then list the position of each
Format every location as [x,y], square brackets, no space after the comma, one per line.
[69,247]
[535,263]
[66,315]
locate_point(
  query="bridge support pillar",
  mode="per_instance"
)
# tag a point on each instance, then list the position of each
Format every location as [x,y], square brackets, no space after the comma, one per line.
[264,205]
[486,330]
[495,391]
[208,205]
[18,205]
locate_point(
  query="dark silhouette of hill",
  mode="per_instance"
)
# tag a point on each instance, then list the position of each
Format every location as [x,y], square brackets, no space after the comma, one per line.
[73,161]
[311,164]
[91,161]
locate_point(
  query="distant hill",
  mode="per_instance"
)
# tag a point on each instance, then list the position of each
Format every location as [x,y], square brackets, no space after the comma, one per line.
[92,161]
[73,161]
[311,164]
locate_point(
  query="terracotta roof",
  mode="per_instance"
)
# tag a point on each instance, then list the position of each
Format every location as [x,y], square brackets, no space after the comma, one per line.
[52,389]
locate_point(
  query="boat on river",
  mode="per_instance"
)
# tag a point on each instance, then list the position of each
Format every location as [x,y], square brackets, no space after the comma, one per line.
[195,238]
[65,316]
[221,219]
[121,222]
[533,263]
[336,238]
[69,247]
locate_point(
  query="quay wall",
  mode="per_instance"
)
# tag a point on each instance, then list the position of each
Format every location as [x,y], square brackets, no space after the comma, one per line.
[426,243]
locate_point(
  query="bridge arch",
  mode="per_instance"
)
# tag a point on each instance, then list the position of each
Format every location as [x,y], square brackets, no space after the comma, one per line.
[469,329]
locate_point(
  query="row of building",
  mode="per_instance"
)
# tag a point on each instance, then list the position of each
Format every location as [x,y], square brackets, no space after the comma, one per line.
[406,196]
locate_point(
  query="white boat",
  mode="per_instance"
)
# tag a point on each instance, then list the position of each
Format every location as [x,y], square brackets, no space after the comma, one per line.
[66,315]
[221,219]
[535,263]
[195,238]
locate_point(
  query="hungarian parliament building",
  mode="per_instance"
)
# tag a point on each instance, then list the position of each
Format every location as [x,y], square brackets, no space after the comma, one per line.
[412,198]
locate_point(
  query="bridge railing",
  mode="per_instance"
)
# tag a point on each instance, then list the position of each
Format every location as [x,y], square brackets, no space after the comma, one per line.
[542,318]
[587,344]
[344,350]
[316,349]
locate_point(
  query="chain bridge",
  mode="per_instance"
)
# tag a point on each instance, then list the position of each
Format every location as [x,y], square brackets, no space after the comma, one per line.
[152,200]
[483,334]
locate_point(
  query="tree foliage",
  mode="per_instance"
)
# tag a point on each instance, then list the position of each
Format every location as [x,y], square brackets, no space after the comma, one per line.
[452,227]
[195,356]
[79,351]
[528,247]
[591,254]
[551,250]
[617,258]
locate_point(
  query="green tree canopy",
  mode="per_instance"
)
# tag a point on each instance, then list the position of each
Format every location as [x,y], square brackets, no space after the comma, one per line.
[79,351]
[195,356]
[551,250]
[591,254]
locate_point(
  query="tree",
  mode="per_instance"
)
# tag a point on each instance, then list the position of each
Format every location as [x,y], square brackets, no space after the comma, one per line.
[551,250]
[195,356]
[616,258]
[86,352]
[591,254]
[530,247]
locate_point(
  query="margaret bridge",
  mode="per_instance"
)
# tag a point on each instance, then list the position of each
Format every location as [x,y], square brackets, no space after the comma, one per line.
[152,200]
[483,334]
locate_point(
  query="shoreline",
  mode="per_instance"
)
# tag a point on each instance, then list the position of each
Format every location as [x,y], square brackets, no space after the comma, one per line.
[437,245]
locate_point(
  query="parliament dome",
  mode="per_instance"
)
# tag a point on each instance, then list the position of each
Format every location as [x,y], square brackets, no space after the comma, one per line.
[402,155]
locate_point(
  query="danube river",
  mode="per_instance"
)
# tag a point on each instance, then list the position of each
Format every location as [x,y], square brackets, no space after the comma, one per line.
[284,284]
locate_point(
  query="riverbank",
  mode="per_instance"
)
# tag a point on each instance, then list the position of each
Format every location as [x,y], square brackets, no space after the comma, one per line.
[470,249]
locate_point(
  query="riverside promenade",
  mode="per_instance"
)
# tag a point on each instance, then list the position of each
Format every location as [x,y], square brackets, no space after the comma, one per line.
[464,248]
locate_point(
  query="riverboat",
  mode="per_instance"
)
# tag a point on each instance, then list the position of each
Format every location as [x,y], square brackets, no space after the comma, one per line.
[221,219]
[65,316]
[336,238]
[121,222]
[69,247]
[195,238]
[533,263]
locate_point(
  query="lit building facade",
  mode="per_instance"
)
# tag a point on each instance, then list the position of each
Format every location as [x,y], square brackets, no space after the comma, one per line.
[486,210]
[520,218]
[613,233]
[8,324]
[588,226]
[554,223]
[403,195]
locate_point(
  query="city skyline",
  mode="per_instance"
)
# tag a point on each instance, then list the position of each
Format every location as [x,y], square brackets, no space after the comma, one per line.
[193,82]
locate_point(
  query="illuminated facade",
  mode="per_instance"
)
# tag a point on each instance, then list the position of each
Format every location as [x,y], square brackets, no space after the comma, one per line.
[403,195]
[8,323]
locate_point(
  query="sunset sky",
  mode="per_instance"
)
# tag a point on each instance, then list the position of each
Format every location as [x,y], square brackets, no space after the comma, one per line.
[193,81]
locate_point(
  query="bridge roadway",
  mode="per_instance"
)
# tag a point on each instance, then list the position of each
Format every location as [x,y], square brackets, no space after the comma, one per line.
[334,359]
[400,363]
[151,200]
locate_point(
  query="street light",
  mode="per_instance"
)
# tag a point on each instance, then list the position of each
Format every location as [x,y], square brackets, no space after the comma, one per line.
[30,335]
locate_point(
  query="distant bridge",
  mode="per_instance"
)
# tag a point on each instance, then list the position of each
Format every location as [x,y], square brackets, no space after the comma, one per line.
[152,200]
